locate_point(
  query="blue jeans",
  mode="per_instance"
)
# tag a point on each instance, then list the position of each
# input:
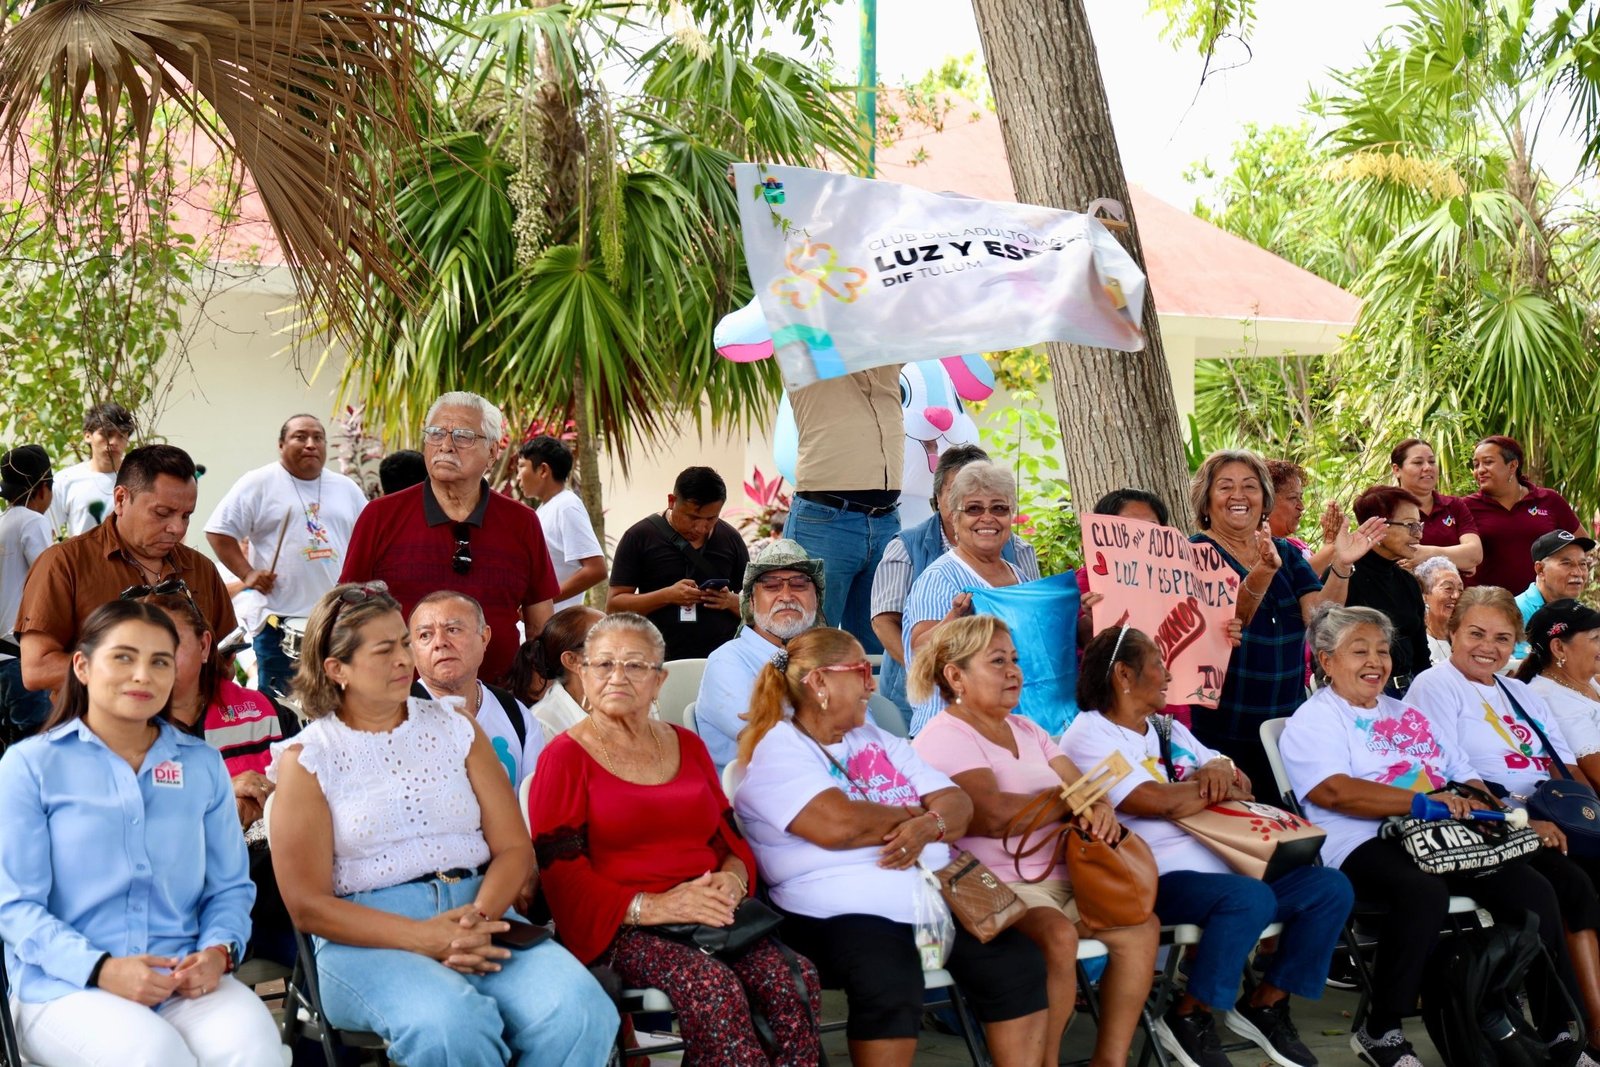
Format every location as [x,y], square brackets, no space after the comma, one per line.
[274,669]
[1312,903]
[542,1006]
[850,544]
[25,708]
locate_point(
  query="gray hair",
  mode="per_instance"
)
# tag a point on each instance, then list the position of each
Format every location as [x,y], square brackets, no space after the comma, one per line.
[1432,569]
[1200,484]
[1332,623]
[488,415]
[440,596]
[627,622]
[980,478]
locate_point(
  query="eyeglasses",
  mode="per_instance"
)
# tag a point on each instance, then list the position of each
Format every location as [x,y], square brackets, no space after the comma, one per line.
[634,670]
[162,588]
[461,559]
[798,583]
[1414,527]
[976,511]
[863,668]
[435,435]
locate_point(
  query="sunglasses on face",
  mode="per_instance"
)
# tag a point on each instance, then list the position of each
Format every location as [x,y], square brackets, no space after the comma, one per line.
[1414,527]
[162,588]
[863,668]
[977,511]
[461,558]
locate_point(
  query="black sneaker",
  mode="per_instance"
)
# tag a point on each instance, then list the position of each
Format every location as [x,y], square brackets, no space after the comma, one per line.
[1272,1030]
[1386,1050]
[1342,973]
[1191,1039]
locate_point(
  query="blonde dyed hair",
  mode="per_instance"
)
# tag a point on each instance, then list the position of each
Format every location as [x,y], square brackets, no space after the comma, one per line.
[954,641]
[334,634]
[820,646]
[1488,596]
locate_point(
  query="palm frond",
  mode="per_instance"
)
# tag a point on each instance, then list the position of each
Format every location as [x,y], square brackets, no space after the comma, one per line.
[309,96]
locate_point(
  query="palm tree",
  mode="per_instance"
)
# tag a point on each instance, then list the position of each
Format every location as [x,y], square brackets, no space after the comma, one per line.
[304,95]
[575,239]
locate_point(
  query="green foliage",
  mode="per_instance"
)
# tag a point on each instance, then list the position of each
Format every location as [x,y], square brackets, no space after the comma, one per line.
[574,247]
[1475,270]
[92,279]
[1202,22]
[1026,438]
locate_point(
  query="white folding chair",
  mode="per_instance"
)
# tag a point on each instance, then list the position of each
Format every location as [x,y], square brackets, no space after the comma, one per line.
[682,686]
[688,718]
[886,715]
[524,791]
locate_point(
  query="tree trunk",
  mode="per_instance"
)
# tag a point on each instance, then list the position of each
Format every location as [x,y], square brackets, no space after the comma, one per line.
[1119,423]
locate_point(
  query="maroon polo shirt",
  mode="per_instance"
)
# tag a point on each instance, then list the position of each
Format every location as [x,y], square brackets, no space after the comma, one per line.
[406,540]
[1450,518]
[1509,533]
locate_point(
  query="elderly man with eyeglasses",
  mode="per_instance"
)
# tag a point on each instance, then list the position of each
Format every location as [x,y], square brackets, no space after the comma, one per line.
[783,588]
[453,532]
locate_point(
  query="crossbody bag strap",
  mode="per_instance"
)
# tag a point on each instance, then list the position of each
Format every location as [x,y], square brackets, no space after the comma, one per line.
[829,756]
[1163,728]
[1533,723]
[697,558]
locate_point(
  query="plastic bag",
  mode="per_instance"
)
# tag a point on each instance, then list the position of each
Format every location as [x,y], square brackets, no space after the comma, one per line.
[936,930]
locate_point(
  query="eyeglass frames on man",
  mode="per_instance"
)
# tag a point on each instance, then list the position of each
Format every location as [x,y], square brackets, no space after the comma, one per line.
[797,583]
[461,438]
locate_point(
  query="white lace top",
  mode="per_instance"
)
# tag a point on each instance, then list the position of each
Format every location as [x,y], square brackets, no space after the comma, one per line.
[401,801]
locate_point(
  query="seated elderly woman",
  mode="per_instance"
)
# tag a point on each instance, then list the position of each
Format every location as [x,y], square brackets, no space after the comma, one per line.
[841,814]
[1231,494]
[979,504]
[1003,761]
[124,885]
[1122,686]
[1441,587]
[241,724]
[398,846]
[1496,724]
[1563,656]
[633,833]
[557,652]
[1355,756]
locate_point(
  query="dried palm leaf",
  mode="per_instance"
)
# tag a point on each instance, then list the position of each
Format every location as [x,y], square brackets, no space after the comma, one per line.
[308,95]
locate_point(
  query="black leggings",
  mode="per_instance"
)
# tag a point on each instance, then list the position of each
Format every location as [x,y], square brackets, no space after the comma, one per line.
[875,961]
[1383,873]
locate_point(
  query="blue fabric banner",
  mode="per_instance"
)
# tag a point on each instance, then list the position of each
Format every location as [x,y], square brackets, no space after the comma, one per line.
[1043,617]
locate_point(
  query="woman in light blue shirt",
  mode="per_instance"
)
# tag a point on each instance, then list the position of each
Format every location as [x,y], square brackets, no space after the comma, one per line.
[124,881]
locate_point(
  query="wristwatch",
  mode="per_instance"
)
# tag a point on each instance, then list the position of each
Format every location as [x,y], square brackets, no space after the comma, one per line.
[230,958]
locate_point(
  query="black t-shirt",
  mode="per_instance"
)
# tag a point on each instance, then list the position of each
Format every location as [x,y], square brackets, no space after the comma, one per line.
[647,561]
[1380,583]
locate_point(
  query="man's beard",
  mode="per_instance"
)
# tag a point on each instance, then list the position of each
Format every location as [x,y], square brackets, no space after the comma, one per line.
[787,630]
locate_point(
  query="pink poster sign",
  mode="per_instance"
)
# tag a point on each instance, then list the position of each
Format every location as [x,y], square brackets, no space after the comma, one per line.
[1179,593]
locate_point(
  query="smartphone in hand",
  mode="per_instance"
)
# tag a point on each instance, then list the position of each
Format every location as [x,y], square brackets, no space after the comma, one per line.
[522,935]
[715,583]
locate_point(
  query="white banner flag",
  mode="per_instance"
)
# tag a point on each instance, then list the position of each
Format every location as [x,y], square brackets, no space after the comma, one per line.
[853,273]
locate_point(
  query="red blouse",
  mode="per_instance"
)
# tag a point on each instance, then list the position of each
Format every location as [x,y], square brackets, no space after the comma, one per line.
[600,840]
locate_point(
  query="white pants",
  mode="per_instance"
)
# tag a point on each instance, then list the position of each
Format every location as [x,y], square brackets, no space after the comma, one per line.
[228,1027]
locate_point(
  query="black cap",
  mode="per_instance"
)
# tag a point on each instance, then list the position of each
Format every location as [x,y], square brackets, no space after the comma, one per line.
[22,470]
[1554,541]
[1560,618]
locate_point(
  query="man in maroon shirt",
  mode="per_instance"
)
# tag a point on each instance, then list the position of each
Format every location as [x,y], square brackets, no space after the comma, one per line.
[453,532]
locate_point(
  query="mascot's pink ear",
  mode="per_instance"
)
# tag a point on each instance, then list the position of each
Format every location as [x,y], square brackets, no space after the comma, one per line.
[743,335]
[970,375]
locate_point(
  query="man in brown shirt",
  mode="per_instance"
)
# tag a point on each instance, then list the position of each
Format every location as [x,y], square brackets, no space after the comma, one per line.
[138,548]
[847,486]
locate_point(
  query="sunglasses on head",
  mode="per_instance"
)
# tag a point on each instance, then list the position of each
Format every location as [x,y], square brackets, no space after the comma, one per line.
[461,558]
[359,595]
[167,587]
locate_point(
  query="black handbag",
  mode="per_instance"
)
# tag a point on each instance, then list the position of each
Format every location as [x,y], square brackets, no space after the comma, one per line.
[1565,801]
[752,920]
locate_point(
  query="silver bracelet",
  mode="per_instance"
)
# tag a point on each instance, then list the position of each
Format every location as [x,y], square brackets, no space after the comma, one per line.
[634,908]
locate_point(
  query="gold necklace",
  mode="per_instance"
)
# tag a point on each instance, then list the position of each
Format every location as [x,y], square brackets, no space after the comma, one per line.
[605,753]
[1585,691]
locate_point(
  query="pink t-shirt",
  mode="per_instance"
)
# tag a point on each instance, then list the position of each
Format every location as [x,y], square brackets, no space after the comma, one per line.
[949,745]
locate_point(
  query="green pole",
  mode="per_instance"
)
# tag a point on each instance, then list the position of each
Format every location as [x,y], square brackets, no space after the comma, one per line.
[867,95]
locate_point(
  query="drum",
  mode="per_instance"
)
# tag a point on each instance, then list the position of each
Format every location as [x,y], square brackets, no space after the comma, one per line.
[294,635]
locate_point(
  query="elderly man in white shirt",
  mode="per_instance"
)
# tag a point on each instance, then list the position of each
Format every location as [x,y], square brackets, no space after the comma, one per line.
[781,600]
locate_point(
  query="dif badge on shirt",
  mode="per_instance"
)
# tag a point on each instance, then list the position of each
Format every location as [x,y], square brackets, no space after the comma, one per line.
[168,774]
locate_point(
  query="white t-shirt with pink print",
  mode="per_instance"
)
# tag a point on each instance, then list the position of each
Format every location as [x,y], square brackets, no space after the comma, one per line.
[787,772]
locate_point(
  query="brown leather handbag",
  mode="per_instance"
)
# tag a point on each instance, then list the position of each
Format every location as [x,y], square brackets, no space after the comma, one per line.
[1113,884]
[977,898]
